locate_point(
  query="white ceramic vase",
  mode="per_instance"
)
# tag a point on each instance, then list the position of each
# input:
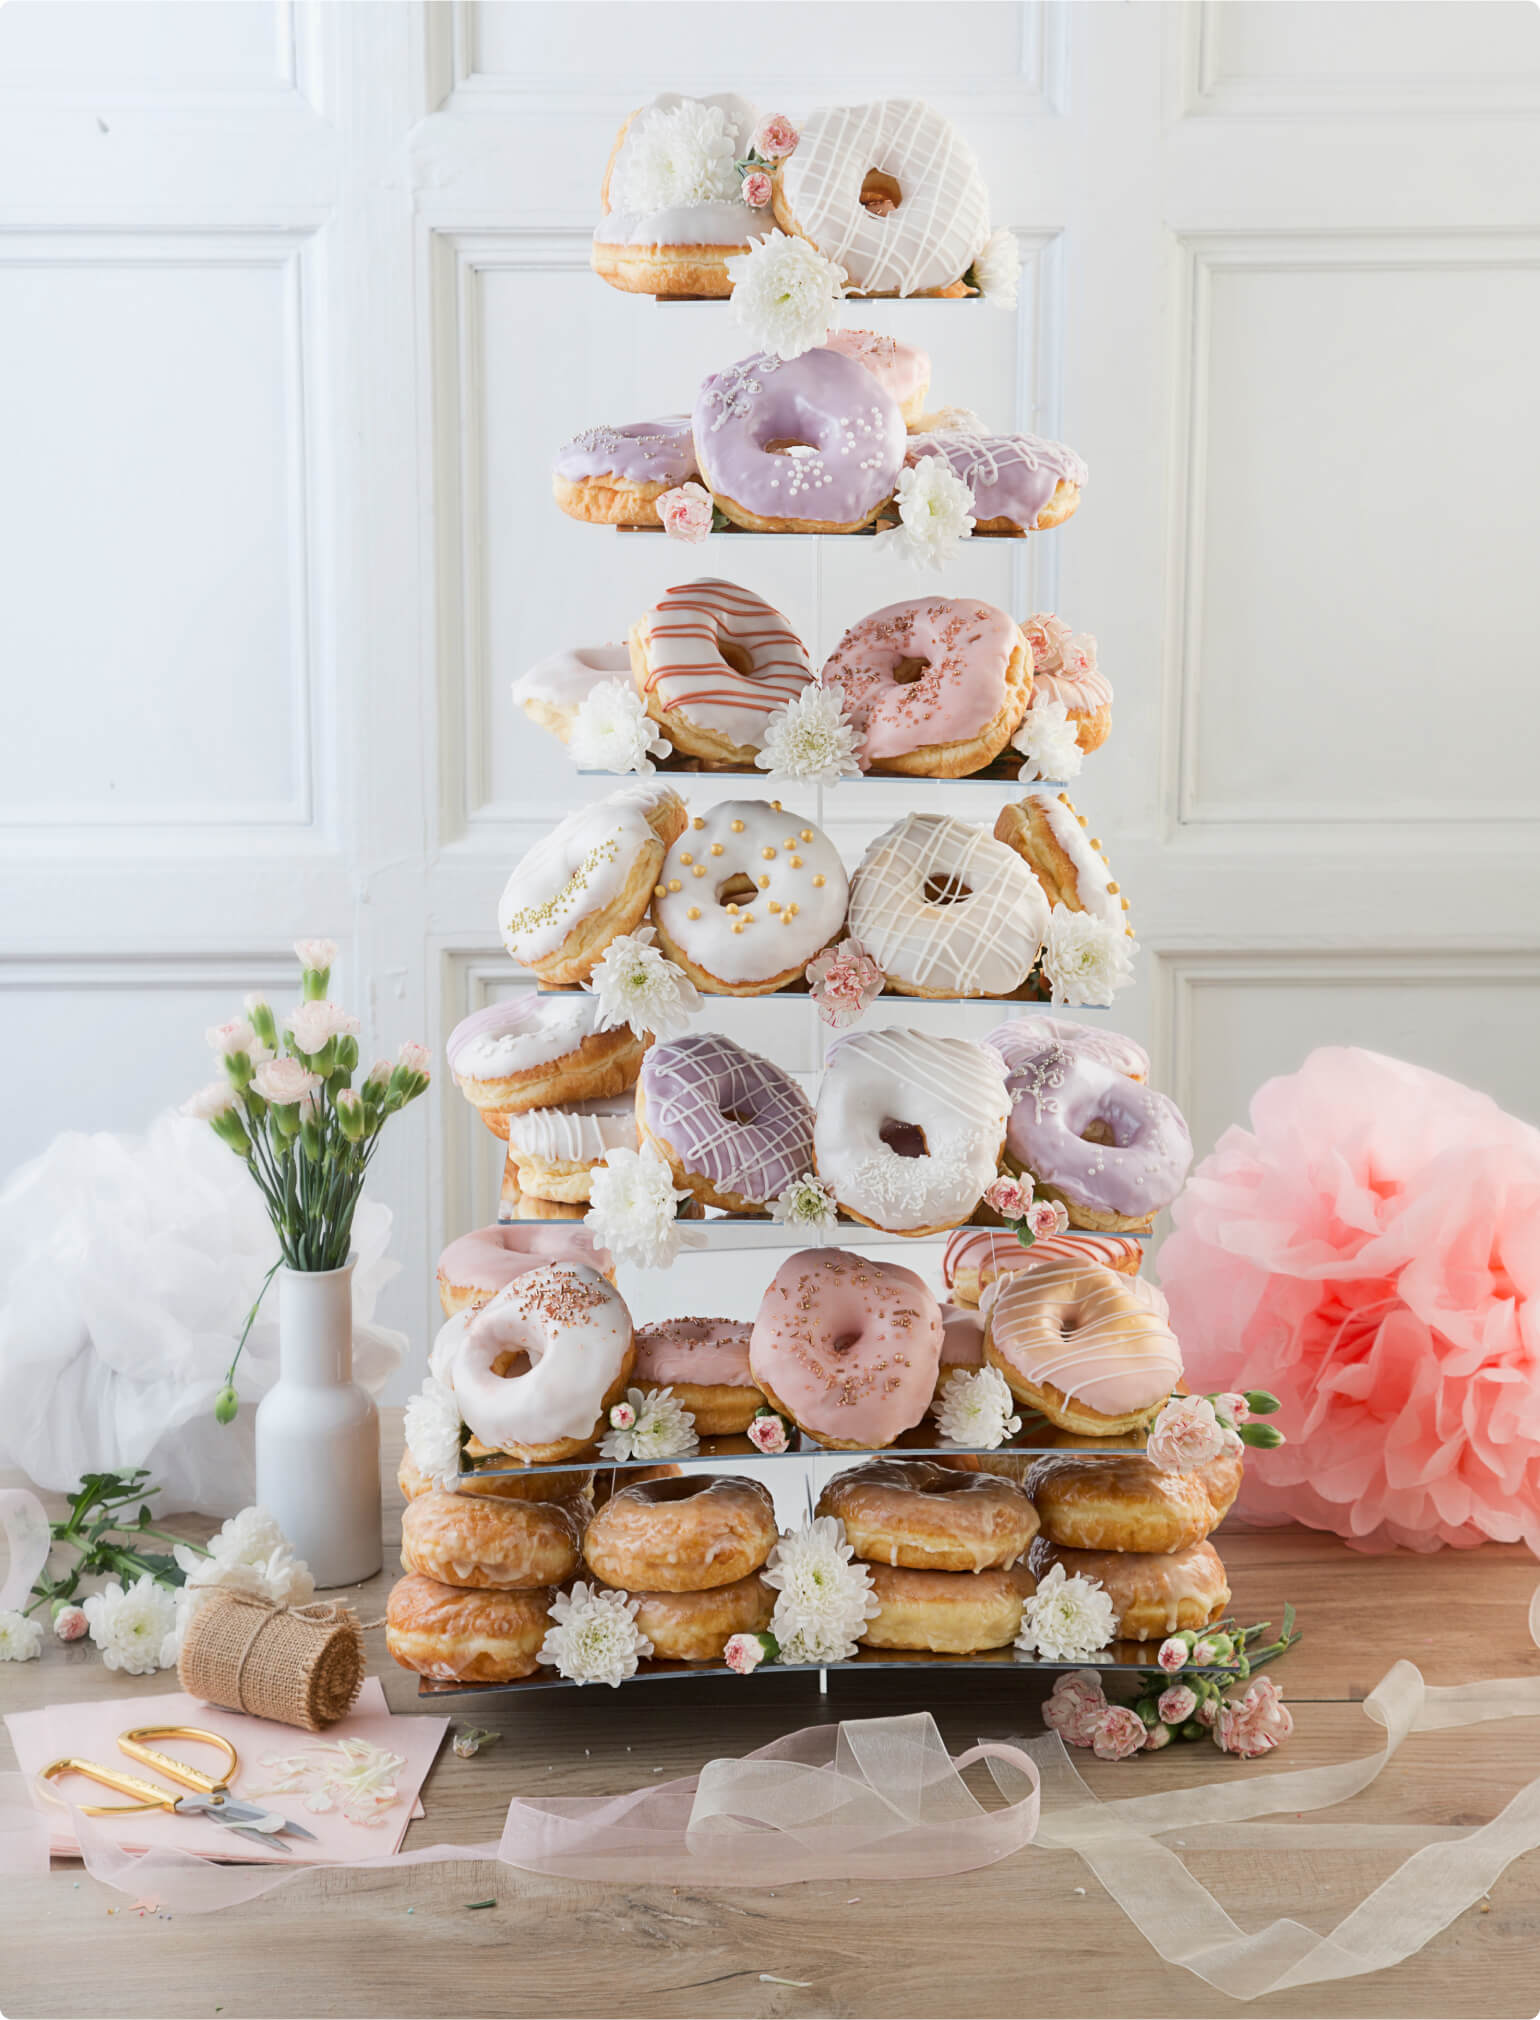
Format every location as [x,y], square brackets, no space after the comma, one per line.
[318,1433]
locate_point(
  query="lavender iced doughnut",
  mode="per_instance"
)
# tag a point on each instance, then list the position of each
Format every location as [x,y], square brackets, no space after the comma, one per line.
[615,476]
[735,1128]
[705,1362]
[799,445]
[1026,1036]
[473,1269]
[1020,483]
[552,692]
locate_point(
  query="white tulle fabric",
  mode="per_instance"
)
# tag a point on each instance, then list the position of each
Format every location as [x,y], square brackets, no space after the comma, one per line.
[127,1267]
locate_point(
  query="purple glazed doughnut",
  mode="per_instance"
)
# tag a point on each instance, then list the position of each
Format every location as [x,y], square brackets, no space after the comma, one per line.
[615,476]
[1027,1036]
[1019,482]
[735,1128]
[849,429]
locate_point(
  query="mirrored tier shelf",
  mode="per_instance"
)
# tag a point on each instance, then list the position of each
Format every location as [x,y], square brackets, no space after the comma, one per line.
[1003,772]
[693,1215]
[862,533]
[798,992]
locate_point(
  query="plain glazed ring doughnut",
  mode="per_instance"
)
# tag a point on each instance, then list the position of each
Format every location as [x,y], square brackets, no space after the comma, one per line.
[847,1348]
[934,686]
[946,910]
[950,1612]
[1154,1595]
[464,1539]
[697,1626]
[547,1486]
[799,445]
[704,1363]
[1064,670]
[926,1517]
[684,1535]
[1081,1347]
[590,879]
[475,1267]
[1020,483]
[900,369]
[540,1366]
[466,1637]
[736,1129]
[1051,839]
[1127,1503]
[532,1051]
[714,662]
[908,1128]
[615,476]
[975,1257]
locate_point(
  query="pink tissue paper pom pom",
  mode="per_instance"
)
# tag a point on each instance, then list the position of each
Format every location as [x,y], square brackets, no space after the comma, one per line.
[685,513]
[1369,1250]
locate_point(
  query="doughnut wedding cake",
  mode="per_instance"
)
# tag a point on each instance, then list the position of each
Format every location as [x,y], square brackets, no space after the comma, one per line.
[1010,1411]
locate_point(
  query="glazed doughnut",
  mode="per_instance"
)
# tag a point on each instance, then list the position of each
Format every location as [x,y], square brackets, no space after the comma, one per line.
[552,692]
[1081,1347]
[515,1206]
[564,1337]
[590,879]
[900,369]
[615,476]
[949,1612]
[946,910]
[935,686]
[1113,1150]
[1049,836]
[683,1535]
[1025,1037]
[908,1128]
[484,1636]
[890,192]
[736,1130]
[1064,669]
[545,1486]
[697,1626]
[798,445]
[847,1348]
[657,238]
[1154,1595]
[705,1363]
[1128,1503]
[534,1051]
[554,1150]
[471,1540]
[747,896]
[1020,483]
[975,1257]
[962,1342]
[713,663]
[475,1267]
[930,1518]
[610,1479]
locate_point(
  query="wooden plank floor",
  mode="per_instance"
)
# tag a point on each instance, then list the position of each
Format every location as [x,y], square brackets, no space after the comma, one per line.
[1019,1938]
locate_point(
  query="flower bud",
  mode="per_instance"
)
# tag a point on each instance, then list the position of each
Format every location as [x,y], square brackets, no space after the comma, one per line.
[350,1115]
[260,1013]
[347,1052]
[230,1129]
[1156,1737]
[1148,1709]
[378,1078]
[238,1069]
[1195,1728]
[311,1141]
[1263,1436]
[1262,1402]
[226,1404]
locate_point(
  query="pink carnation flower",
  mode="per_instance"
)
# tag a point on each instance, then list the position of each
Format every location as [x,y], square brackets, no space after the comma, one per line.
[1074,1707]
[1186,1435]
[1119,1733]
[1255,1723]
[1046,1217]
[1009,1197]
[767,1433]
[312,1024]
[1172,1654]
[744,1653]
[622,1416]
[843,981]
[686,513]
[414,1058]
[1232,1407]
[70,1623]
[285,1082]
[776,138]
[1177,1704]
[758,189]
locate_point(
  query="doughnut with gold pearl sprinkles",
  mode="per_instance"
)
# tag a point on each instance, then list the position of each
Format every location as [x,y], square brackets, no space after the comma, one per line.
[1153,1594]
[590,879]
[705,1362]
[1020,483]
[655,237]
[553,690]
[534,1051]
[736,1129]
[1055,843]
[614,476]
[713,663]
[746,897]
[901,369]
[975,1257]
[1065,670]
[1082,1348]
[473,1268]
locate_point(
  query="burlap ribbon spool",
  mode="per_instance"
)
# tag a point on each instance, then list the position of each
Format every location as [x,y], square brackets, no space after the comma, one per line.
[300,1665]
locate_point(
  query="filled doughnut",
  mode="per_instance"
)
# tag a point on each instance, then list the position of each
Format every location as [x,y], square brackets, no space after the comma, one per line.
[534,1051]
[735,1128]
[1154,1595]
[889,191]
[590,879]
[935,686]
[1064,670]
[799,445]
[473,1268]
[553,690]
[847,1348]
[1081,1347]
[926,1517]
[1050,837]
[1025,1037]
[908,1128]
[946,910]
[540,1365]
[554,1150]
[713,663]
[485,1636]
[746,897]
[900,369]
[544,1486]
[1088,1502]
[975,1257]
[948,1612]
[697,1626]
[684,1535]
[473,1540]
[705,1363]
[1020,483]
[615,476]
[669,232]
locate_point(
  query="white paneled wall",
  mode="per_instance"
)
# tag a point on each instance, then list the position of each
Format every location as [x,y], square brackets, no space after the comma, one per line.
[296,308]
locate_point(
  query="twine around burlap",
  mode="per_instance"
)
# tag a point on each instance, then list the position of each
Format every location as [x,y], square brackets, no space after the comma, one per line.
[301,1665]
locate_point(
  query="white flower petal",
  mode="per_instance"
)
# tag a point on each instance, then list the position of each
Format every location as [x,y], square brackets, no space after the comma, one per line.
[786,294]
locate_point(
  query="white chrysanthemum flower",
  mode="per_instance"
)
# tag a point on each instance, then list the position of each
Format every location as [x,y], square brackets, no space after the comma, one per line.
[134,1628]
[637,984]
[1067,1619]
[433,1432]
[660,1428]
[1048,743]
[824,1596]
[631,1211]
[977,1410]
[676,158]
[612,731]
[996,269]
[811,739]
[935,510]
[786,294]
[807,1209]
[21,1639]
[593,1636]
[1086,960]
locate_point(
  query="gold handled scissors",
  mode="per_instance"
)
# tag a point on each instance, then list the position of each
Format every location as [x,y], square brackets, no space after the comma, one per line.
[210,1795]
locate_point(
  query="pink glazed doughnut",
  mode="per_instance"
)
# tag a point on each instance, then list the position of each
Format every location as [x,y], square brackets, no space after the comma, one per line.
[473,1269]
[899,368]
[705,1363]
[847,1348]
[799,445]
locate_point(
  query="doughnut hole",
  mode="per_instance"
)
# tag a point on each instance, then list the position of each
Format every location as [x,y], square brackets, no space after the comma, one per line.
[735,656]
[908,671]
[945,890]
[904,1139]
[790,445]
[881,194]
[511,1365]
[738,889]
[1098,1130]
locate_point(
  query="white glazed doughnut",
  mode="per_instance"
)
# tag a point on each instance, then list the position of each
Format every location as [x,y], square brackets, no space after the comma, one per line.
[568,1335]
[747,896]
[889,191]
[946,910]
[590,879]
[552,691]
[531,1051]
[908,1128]
[713,663]
[663,233]
[1047,833]
[554,1150]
